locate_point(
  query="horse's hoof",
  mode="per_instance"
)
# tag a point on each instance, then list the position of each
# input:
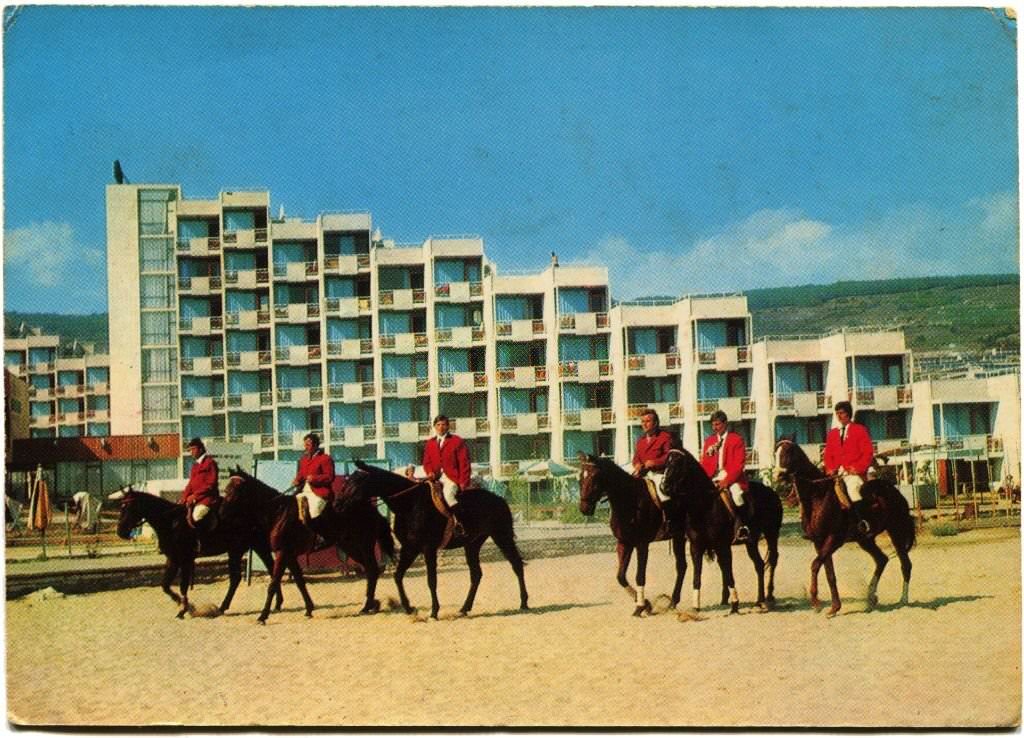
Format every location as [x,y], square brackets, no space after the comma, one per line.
[463,613]
[770,599]
[763,607]
[370,608]
[832,611]
[180,615]
[524,607]
[309,613]
[410,610]
[872,602]
[261,621]
[433,616]
[735,609]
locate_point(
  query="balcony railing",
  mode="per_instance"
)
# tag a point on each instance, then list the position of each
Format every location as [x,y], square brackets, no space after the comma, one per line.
[747,405]
[507,375]
[640,362]
[666,410]
[569,322]
[867,396]
[571,369]
[574,418]
[783,402]
[752,457]
[707,356]
[448,380]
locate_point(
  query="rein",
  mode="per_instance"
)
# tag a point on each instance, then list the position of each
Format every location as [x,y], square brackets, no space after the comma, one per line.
[405,491]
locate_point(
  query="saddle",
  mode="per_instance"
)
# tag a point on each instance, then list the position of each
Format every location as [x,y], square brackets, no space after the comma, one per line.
[652,490]
[840,489]
[437,497]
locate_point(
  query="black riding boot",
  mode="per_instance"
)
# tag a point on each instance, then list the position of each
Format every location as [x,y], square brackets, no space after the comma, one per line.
[741,530]
[860,512]
[459,530]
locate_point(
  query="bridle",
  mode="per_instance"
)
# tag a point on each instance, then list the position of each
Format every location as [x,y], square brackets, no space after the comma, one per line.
[785,474]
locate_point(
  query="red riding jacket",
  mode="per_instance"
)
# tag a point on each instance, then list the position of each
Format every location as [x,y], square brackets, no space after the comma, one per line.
[653,448]
[734,458]
[202,483]
[854,454]
[452,458]
[321,467]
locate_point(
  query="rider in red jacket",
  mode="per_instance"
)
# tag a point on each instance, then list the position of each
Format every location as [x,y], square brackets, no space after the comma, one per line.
[200,494]
[315,476]
[724,458]
[848,454]
[446,458]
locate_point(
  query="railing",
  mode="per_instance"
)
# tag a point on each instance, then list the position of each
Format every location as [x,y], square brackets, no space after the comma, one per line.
[785,401]
[865,396]
[570,369]
[363,261]
[266,440]
[511,422]
[752,458]
[568,322]
[706,356]
[574,418]
[312,269]
[638,362]
[444,291]
[705,407]
[508,374]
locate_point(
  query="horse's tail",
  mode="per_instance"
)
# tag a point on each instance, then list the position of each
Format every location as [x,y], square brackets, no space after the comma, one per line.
[902,525]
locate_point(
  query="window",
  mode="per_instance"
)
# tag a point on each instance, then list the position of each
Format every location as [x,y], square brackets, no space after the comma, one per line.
[156,328]
[156,255]
[156,291]
[159,403]
[158,365]
[153,211]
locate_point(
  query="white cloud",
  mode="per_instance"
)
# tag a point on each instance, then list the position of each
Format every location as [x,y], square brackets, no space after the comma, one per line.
[784,247]
[47,256]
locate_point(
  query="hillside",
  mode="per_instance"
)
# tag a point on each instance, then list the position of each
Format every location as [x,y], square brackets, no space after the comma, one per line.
[966,313]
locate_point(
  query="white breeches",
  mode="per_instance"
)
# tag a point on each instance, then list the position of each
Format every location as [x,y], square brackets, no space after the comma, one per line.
[735,490]
[199,512]
[316,503]
[450,489]
[853,484]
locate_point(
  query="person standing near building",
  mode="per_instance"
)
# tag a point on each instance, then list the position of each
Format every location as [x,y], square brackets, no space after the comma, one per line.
[201,493]
[446,459]
[314,478]
[724,459]
[849,453]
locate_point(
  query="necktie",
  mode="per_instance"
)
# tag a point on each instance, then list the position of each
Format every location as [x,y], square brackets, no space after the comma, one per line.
[842,434]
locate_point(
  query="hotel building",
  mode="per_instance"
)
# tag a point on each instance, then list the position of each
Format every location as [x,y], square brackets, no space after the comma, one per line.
[229,324]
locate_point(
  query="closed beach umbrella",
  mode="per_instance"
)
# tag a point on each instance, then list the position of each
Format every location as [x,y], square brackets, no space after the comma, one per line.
[40,513]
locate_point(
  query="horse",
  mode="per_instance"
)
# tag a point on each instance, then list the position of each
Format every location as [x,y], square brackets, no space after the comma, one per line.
[177,541]
[635,522]
[358,533]
[420,528]
[829,526]
[709,527]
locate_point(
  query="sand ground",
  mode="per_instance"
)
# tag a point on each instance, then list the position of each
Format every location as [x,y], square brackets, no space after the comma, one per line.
[952,658]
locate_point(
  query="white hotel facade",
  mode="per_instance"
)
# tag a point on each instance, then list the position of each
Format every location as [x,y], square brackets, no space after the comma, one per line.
[229,324]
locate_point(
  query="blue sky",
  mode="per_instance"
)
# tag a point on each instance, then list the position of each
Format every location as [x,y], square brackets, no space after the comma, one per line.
[691,150]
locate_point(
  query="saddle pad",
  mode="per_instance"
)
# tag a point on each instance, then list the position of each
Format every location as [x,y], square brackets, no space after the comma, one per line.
[844,499]
[652,490]
[437,496]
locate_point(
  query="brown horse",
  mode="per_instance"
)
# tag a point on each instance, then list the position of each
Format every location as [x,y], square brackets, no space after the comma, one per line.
[177,541]
[359,532]
[709,527]
[420,528]
[829,526]
[635,521]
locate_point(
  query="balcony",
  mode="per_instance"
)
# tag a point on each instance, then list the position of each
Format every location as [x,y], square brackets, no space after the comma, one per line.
[723,358]
[247,360]
[979,444]
[201,325]
[404,386]
[509,468]
[70,390]
[519,330]
[667,411]
[352,392]
[350,348]
[343,264]
[752,458]
[202,365]
[344,307]
[525,424]
[458,291]
[247,401]
[200,246]
[98,388]
[293,439]
[408,432]
[40,421]
[299,396]
[403,299]
[297,312]
[586,370]
[731,406]
[296,271]
[199,285]
[404,343]
[522,376]
[245,238]
[255,440]
[247,278]
[583,323]
[98,415]
[42,367]
[470,427]
[202,405]
[653,365]
[462,381]
[247,319]
[802,404]
[354,435]
[460,336]
[42,393]
[589,419]
[298,355]
[887,397]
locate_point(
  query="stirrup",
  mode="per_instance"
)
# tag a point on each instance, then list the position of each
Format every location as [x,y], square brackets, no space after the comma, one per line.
[863,527]
[742,535]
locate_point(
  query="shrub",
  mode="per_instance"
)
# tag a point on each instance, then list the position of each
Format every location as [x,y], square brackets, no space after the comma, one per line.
[945,529]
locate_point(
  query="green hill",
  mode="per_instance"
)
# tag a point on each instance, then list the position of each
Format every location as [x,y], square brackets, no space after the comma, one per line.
[969,313]
[83,328]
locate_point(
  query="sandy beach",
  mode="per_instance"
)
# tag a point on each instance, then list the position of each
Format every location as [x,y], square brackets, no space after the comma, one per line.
[952,658]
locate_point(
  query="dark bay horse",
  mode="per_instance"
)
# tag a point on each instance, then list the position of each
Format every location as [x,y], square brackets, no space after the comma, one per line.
[177,541]
[358,532]
[709,527]
[636,522]
[829,526]
[420,528]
